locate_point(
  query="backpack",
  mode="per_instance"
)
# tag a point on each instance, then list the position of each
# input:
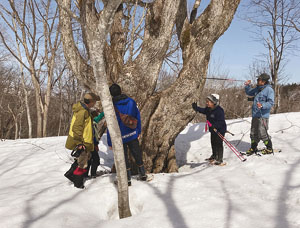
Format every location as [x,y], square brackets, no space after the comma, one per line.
[127,120]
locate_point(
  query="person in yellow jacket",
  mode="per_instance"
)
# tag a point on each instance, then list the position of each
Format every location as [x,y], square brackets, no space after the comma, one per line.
[81,138]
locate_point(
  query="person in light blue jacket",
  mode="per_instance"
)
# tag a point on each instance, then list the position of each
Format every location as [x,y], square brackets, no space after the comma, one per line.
[263,100]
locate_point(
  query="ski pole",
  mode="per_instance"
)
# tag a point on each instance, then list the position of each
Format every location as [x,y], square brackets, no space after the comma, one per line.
[230,133]
[225,79]
[233,149]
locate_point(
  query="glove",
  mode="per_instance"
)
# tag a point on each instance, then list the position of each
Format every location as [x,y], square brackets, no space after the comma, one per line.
[194,106]
[78,150]
[212,128]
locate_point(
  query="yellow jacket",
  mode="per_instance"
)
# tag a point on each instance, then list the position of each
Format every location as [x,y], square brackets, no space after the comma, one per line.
[81,128]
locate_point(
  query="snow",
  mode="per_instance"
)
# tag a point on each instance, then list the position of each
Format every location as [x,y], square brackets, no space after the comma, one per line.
[263,192]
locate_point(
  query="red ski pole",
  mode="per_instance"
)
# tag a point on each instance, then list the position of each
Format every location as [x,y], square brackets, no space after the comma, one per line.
[233,149]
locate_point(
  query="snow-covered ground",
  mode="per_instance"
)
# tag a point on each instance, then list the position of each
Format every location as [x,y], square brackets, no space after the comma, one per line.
[263,192]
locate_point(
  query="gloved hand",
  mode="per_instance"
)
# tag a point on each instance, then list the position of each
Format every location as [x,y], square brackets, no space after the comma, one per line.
[212,128]
[78,150]
[194,106]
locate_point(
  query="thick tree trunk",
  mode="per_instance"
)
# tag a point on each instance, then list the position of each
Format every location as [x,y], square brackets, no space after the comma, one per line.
[95,31]
[166,114]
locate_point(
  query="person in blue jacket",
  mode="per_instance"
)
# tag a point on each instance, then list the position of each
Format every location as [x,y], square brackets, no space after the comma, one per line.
[215,115]
[130,137]
[263,100]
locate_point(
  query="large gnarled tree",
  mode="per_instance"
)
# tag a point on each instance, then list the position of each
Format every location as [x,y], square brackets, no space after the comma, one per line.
[164,113]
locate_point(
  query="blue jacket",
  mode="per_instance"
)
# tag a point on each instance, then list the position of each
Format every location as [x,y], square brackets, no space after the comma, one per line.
[216,117]
[126,105]
[265,96]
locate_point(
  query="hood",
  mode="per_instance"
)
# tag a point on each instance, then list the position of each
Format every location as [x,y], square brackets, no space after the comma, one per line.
[264,86]
[121,99]
[78,106]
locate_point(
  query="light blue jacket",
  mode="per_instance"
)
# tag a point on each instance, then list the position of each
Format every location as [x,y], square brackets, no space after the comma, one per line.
[265,96]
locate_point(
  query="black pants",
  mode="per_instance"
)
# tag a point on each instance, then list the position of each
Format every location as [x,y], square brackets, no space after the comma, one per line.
[135,150]
[217,146]
[93,163]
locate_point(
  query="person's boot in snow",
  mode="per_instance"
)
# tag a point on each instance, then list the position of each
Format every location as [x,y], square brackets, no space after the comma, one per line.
[210,159]
[142,173]
[269,149]
[219,163]
[253,148]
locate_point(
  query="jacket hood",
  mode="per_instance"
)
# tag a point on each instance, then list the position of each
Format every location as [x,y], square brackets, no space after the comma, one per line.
[78,106]
[264,86]
[121,99]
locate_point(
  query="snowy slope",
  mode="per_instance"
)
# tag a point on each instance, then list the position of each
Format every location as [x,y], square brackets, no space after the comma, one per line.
[263,192]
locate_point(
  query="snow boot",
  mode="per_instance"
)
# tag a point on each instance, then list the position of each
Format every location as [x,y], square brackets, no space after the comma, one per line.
[210,159]
[253,149]
[142,173]
[267,151]
[219,163]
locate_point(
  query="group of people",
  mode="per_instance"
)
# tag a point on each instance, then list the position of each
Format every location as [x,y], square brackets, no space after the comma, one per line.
[263,99]
[83,138]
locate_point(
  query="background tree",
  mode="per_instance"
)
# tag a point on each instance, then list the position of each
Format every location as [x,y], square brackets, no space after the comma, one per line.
[32,32]
[11,103]
[273,20]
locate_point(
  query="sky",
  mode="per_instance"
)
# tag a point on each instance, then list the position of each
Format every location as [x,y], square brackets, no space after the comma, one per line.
[237,50]
[34,192]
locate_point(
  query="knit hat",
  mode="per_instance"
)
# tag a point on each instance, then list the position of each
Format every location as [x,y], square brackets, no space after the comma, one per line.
[91,96]
[264,77]
[115,90]
[214,98]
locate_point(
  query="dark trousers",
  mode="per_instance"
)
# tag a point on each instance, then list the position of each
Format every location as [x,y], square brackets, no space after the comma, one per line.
[217,146]
[135,151]
[93,163]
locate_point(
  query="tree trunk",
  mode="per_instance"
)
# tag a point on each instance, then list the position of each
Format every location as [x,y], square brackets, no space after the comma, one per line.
[29,122]
[167,113]
[95,31]
[38,105]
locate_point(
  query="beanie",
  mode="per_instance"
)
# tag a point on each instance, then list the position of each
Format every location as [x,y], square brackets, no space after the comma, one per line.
[214,98]
[264,77]
[115,90]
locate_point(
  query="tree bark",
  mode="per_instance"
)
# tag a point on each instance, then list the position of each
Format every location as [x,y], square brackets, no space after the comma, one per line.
[95,28]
